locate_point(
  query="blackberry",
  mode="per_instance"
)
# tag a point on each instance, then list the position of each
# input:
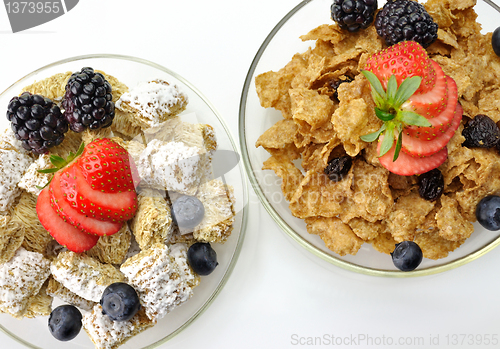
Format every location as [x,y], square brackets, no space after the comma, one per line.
[37,122]
[88,102]
[402,20]
[481,132]
[337,168]
[334,84]
[431,185]
[353,15]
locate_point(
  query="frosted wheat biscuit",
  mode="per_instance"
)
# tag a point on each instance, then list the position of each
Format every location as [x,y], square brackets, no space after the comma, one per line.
[218,200]
[153,102]
[56,289]
[33,180]
[84,275]
[112,249]
[179,252]
[21,278]
[36,238]
[158,281]
[171,166]
[123,124]
[13,165]
[108,334]
[152,222]
[40,304]
[11,237]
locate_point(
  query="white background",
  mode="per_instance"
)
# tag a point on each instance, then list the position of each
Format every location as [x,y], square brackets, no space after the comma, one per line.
[278,294]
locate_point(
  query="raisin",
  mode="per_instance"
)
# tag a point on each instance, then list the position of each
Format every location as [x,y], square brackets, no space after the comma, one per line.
[481,132]
[337,168]
[431,185]
[336,83]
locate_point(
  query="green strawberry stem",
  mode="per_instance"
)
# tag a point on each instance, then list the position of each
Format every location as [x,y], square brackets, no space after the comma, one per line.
[59,162]
[388,109]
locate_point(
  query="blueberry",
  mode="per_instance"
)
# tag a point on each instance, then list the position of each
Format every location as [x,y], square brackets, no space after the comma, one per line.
[188,212]
[488,212]
[65,322]
[202,258]
[407,256]
[495,41]
[120,301]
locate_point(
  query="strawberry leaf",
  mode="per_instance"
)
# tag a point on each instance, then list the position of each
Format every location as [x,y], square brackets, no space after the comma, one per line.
[373,136]
[392,89]
[384,115]
[57,161]
[406,90]
[387,142]
[399,143]
[49,170]
[375,83]
[412,118]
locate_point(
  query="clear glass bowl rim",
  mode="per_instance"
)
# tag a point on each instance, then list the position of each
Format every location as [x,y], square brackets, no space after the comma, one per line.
[290,231]
[244,211]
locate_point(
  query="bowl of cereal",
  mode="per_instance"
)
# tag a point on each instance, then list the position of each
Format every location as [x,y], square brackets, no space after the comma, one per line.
[304,109]
[188,209]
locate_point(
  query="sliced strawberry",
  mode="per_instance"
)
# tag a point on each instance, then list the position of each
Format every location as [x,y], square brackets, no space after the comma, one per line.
[63,232]
[116,207]
[404,60]
[108,167]
[422,147]
[407,165]
[433,102]
[75,217]
[440,123]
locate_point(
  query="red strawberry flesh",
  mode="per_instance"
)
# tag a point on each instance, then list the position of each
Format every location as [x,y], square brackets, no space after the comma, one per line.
[64,233]
[75,217]
[111,207]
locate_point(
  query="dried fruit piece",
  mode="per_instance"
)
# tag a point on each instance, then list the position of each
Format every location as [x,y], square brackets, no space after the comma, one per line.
[337,168]
[431,185]
[481,132]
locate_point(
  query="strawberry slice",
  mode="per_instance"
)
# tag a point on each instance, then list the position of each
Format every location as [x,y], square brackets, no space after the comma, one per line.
[103,206]
[73,216]
[64,233]
[441,122]
[108,167]
[431,102]
[404,60]
[407,165]
[422,147]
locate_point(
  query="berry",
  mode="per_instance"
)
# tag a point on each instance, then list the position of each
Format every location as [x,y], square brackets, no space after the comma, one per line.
[403,20]
[64,233]
[481,132]
[202,258]
[495,41]
[353,15]
[187,212]
[73,216]
[107,167]
[120,301]
[488,212]
[37,122]
[88,101]
[334,84]
[65,322]
[337,168]
[407,256]
[117,207]
[431,185]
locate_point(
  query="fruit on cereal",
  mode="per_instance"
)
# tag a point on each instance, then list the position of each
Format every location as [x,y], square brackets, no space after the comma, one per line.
[431,185]
[404,20]
[120,301]
[106,166]
[75,217]
[337,168]
[495,41]
[37,122]
[481,132]
[202,258]
[187,212]
[88,101]
[112,207]
[353,15]
[334,84]
[488,212]
[407,256]
[65,322]
[64,233]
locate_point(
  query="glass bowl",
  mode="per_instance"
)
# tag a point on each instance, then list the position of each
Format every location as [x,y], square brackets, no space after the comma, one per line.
[275,52]
[34,333]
